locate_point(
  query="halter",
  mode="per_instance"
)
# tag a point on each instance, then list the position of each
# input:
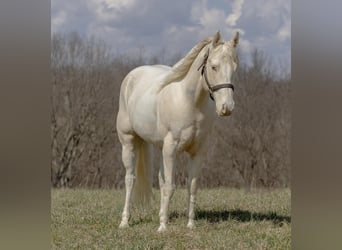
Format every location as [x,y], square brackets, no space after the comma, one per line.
[212,88]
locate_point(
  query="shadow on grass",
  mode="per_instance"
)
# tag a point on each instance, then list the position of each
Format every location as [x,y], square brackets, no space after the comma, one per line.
[214,216]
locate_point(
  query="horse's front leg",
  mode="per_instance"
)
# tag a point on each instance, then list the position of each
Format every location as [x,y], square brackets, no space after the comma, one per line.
[167,176]
[194,167]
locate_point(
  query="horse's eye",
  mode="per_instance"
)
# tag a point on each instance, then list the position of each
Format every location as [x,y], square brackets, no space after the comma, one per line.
[214,68]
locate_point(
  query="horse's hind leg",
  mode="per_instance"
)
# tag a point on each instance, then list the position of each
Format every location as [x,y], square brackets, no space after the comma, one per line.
[129,157]
[161,178]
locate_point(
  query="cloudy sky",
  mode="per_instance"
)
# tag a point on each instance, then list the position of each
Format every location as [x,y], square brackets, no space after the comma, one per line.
[176,26]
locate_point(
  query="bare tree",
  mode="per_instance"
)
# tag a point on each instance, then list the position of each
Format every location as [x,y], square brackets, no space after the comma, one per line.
[258,134]
[250,148]
[83,110]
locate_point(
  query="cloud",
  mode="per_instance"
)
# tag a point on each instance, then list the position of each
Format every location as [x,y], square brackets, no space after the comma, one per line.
[119,4]
[107,10]
[284,32]
[237,9]
[176,26]
[59,19]
[206,19]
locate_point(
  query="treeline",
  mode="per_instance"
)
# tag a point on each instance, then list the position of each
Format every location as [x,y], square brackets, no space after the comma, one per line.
[251,148]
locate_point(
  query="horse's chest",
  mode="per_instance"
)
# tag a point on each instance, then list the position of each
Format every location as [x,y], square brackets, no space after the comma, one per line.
[187,135]
[191,136]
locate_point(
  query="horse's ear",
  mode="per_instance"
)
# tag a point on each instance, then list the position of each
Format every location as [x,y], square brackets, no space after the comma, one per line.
[235,40]
[216,39]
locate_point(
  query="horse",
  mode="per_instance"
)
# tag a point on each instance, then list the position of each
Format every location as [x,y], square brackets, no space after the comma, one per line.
[170,107]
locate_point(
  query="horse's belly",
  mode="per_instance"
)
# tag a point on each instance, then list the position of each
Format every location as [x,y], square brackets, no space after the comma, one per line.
[147,131]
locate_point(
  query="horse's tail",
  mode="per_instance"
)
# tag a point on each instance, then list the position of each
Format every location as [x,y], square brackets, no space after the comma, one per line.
[144,173]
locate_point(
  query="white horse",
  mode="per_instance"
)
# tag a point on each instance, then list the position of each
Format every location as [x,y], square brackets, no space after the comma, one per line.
[170,107]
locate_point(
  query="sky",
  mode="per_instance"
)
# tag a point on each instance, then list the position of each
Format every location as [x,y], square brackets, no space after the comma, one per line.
[174,27]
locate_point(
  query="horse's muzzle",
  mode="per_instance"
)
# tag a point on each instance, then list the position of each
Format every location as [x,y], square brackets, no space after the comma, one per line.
[226,110]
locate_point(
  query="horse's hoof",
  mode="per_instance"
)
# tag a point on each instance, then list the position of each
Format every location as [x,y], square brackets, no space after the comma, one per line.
[162,228]
[190,225]
[123,225]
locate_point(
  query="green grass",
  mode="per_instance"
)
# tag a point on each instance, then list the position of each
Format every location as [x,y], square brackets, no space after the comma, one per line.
[226,219]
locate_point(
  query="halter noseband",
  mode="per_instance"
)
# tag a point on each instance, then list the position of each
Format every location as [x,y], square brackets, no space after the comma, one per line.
[212,88]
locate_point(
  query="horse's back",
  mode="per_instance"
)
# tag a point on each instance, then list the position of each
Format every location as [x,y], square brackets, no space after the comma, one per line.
[142,78]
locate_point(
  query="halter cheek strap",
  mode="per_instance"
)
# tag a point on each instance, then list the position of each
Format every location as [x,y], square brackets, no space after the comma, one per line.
[212,88]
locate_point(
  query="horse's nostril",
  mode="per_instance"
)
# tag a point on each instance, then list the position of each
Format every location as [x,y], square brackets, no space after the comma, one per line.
[231,106]
[224,108]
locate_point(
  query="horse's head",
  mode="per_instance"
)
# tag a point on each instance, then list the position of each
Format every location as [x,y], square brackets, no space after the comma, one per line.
[220,63]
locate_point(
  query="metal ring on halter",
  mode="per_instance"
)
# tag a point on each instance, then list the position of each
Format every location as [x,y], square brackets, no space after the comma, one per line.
[212,88]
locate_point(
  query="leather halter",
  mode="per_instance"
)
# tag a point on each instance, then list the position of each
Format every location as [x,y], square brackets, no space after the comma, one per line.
[212,88]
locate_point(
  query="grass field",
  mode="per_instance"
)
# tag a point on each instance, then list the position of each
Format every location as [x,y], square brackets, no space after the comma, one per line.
[226,219]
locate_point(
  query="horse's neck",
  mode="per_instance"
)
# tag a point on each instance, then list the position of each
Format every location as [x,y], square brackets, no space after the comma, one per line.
[192,83]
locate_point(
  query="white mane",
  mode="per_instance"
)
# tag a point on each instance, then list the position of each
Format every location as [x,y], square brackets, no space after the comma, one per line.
[181,68]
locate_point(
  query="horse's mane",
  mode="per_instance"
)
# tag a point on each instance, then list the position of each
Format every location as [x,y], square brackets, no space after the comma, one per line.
[181,68]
